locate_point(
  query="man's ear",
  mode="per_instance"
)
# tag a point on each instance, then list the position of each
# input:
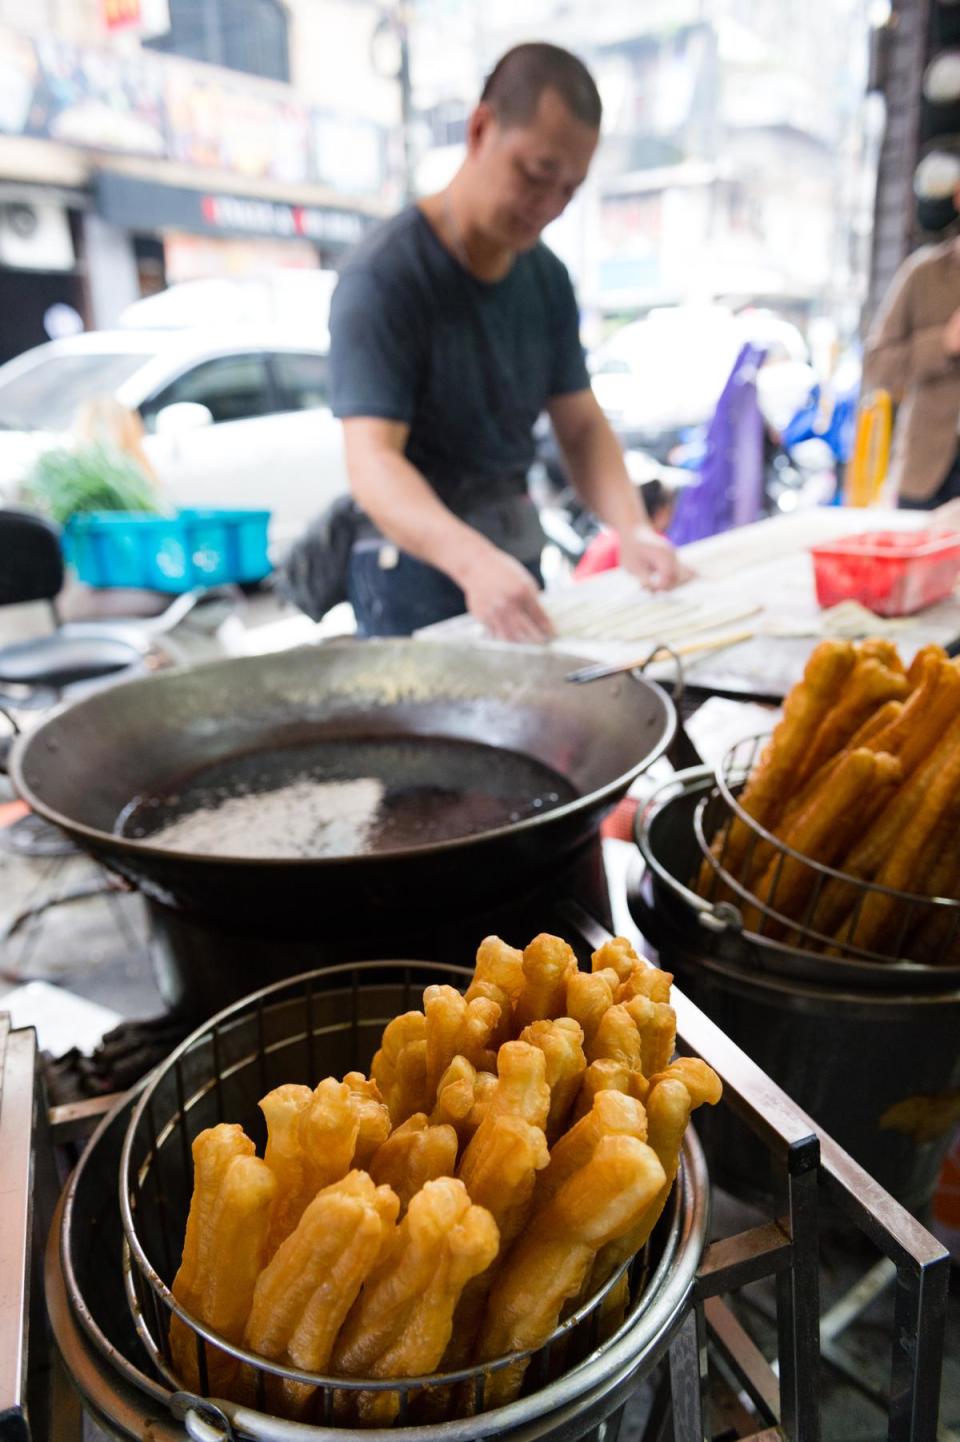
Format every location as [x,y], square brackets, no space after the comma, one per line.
[479,126]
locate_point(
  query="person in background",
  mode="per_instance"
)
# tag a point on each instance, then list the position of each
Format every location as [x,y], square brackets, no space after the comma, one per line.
[602,553]
[913,351]
[452,328]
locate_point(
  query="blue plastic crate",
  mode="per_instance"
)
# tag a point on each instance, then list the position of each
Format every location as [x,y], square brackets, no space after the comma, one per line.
[168,553]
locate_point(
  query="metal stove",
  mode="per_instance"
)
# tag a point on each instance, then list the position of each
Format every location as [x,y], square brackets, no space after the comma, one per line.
[38,1400]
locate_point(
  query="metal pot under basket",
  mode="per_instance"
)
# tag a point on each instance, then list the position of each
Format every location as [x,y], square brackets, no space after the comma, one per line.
[326,1022]
[868,1048]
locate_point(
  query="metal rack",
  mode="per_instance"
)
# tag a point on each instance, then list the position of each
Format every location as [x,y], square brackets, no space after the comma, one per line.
[813,1170]
[766,915]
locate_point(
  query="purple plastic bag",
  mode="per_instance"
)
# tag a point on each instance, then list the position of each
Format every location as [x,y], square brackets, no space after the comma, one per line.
[729,491]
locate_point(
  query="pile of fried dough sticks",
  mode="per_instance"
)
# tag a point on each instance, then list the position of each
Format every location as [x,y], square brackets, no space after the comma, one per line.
[861,775]
[510,1150]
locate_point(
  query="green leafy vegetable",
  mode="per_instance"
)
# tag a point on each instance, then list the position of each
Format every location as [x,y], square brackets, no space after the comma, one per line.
[96,477]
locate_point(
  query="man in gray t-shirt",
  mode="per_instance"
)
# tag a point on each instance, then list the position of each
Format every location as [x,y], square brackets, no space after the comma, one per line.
[452,327]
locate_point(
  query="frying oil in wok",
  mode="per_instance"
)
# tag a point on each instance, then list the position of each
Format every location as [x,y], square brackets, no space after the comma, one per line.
[344,797]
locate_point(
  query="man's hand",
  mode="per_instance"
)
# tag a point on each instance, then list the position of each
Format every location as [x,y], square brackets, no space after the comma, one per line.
[652,559]
[951,334]
[503,596]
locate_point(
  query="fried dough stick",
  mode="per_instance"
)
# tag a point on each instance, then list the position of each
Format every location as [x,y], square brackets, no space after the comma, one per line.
[463,1097]
[612,1114]
[456,1027]
[864,859]
[771,782]
[686,1084]
[224,1251]
[561,1042]
[617,1038]
[902,869]
[400,1066]
[414,1154]
[656,1023]
[617,955]
[548,1264]
[304,1293]
[823,831]
[606,1074]
[589,995]
[282,1109]
[646,980]
[498,976]
[869,685]
[521,1089]
[499,1170]
[313,1138]
[547,962]
[400,1324]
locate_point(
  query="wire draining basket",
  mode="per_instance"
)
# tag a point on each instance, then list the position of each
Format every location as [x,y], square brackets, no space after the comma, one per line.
[800,896]
[322,1023]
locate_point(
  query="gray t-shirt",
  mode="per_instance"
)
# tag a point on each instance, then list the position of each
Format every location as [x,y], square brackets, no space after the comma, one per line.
[467,364]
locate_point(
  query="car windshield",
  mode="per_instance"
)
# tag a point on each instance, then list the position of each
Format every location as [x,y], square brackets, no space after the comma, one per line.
[46,397]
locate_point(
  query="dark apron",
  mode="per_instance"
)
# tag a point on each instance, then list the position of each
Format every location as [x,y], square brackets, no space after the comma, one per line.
[393,594]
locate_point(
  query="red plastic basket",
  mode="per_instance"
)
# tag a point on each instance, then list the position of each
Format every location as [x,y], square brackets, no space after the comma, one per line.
[893,573]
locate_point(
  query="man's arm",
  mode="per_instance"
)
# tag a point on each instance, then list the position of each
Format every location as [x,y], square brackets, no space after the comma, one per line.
[599,475]
[499,591]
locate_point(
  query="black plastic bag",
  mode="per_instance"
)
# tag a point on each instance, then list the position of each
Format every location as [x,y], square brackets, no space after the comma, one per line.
[313,574]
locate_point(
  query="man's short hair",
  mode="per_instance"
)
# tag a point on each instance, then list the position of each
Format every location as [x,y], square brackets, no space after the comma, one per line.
[515,84]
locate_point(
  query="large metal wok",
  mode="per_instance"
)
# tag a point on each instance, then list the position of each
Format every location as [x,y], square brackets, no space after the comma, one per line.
[84,764]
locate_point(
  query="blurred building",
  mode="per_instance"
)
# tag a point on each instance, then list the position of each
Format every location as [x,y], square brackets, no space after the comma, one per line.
[733,152]
[147,141]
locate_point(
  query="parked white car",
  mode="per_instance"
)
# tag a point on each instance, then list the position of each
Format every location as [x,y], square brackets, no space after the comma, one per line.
[232,419]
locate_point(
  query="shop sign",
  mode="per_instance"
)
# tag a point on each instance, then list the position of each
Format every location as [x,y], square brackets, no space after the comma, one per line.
[143,103]
[143,206]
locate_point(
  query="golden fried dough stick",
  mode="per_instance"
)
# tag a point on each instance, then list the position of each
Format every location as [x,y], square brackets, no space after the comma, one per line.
[456,1027]
[646,980]
[877,734]
[869,685]
[918,665]
[400,1066]
[927,713]
[521,1088]
[823,832]
[561,1042]
[935,939]
[773,779]
[463,1097]
[669,1104]
[617,1037]
[400,1324]
[617,955]
[547,962]
[284,1156]
[883,835]
[499,1169]
[608,1075]
[225,1250]
[373,1116]
[612,1114]
[902,868]
[498,976]
[700,1080]
[550,1261]
[589,995]
[880,649]
[304,1293]
[657,1024]
[414,1154]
